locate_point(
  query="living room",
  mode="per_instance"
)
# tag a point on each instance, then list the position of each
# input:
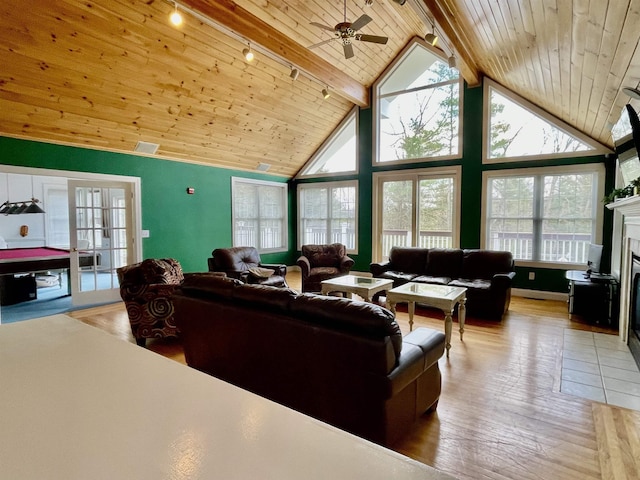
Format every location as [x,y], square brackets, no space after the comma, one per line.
[188,226]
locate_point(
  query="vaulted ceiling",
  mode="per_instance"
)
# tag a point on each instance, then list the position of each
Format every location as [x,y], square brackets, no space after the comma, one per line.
[109,73]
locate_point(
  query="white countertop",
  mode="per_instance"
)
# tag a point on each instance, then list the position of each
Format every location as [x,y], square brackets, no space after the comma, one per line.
[77,403]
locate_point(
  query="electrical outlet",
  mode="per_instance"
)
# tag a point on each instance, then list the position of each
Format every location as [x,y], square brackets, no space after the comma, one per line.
[532,275]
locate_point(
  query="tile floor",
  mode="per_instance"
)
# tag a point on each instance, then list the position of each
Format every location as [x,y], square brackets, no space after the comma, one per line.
[599,367]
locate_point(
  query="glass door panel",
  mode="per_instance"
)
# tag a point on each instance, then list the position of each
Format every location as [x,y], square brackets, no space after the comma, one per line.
[398,218]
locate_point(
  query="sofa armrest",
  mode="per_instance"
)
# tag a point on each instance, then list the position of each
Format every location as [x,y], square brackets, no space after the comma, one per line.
[421,350]
[378,268]
[278,269]
[346,263]
[305,266]
[502,281]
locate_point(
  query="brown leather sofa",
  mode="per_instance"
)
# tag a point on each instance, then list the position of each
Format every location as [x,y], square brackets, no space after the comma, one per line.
[337,360]
[486,274]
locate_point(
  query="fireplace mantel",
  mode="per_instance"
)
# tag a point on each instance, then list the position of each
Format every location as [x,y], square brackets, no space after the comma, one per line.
[629,207]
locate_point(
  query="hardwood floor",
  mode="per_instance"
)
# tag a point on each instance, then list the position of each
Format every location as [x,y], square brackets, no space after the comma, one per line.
[500,415]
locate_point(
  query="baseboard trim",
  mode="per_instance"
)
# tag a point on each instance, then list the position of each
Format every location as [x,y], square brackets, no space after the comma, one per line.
[539,294]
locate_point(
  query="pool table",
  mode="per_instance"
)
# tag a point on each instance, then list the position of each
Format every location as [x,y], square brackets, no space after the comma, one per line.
[40,259]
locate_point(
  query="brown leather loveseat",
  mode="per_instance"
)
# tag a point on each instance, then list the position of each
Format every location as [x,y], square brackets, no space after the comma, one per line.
[486,274]
[337,360]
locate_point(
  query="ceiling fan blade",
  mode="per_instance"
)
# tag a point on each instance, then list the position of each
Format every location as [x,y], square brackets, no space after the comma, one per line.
[324,27]
[372,38]
[348,50]
[360,22]
[322,43]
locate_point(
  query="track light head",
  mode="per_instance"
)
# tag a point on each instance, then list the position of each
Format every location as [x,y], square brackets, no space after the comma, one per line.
[400,2]
[176,18]
[452,61]
[431,38]
[325,93]
[248,54]
[295,73]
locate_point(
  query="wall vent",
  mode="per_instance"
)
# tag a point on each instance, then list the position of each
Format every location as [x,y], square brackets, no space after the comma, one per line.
[146,147]
[263,167]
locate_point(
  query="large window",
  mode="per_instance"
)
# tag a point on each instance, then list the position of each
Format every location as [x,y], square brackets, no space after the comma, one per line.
[259,214]
[517,130]
[419,208]
[338,154]
[547,215]
[417,108]
[327,213]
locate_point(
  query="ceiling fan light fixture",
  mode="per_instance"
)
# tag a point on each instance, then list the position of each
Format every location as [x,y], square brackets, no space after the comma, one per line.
[248,54]
[633,92]
[176,17]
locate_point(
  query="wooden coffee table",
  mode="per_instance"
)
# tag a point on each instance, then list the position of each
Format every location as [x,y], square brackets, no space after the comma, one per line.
[366,287]
[438,296]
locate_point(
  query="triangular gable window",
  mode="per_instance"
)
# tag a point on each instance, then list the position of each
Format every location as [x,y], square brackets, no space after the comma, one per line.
[338,153]
[518,130]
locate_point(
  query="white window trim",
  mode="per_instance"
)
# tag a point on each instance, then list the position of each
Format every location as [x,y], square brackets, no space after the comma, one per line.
[338,184]
[598,148]
[454,171]
[376,126]
[317,156]
[285,218]
[597,168]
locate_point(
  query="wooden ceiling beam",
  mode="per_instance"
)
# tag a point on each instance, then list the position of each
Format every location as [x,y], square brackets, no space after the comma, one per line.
[243,23]
[447,20]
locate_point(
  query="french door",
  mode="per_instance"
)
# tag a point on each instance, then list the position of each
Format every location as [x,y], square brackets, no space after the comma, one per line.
[101,238]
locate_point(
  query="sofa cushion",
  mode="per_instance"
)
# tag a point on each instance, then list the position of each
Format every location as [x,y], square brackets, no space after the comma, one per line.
[472,284]
[485,264]
[408,259]
[444,262]
[264,296]
[367,319]
[205,285]
[433,280]
[398,278]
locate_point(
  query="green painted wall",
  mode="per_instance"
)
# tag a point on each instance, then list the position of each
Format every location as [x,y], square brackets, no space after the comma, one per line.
[182,226]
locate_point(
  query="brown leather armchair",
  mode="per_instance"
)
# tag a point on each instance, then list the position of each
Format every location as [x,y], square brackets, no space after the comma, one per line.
[146,289]
[243,263]
[322,262]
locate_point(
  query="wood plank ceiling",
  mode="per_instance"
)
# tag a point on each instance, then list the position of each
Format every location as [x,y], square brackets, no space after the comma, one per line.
[109,73]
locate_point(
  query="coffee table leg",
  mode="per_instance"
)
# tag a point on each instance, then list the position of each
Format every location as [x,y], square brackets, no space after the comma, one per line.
[462,311]
[448,322]
[412,310]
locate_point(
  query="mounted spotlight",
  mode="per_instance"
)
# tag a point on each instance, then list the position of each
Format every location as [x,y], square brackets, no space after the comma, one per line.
[400,2]
[325,93]
[176,18]
[452,61]
[248,54]
[432,38]
[295,73]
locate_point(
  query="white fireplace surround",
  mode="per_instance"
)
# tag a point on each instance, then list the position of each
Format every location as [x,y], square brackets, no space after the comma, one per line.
[625,240]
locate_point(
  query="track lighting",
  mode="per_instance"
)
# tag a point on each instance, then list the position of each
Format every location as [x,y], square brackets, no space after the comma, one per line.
[248,54]
[325,93]
[294,73]
[452,61]
[432,38]
[368,3]
[400,2]
[176,18]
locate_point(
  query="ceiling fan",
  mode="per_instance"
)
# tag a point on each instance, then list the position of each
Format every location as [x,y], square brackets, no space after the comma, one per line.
[347,31]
